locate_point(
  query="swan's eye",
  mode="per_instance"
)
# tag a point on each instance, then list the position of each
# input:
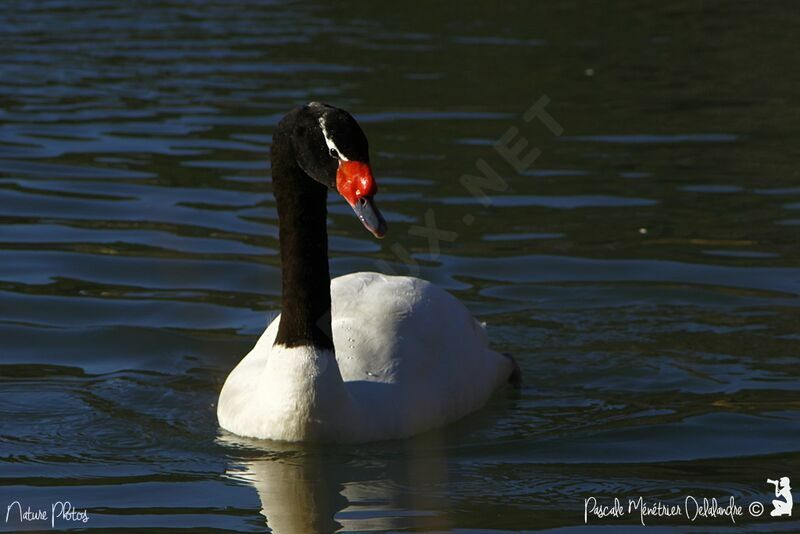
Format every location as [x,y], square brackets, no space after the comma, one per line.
[334,154]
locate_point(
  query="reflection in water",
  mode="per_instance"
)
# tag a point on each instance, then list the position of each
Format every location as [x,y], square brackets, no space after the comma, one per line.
[298,493]
[304,488]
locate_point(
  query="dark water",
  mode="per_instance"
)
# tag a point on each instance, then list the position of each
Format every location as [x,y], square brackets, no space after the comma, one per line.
[645,269]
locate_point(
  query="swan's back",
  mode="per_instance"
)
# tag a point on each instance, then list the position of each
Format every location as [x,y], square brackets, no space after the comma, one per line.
[411,354]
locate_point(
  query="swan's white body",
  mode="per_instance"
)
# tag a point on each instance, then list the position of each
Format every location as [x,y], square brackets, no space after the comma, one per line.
[409,357]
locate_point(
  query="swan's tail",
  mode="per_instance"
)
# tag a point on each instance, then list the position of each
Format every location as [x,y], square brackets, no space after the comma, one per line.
[515,378]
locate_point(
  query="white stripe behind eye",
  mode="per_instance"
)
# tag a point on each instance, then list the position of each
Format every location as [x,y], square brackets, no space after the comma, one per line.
[329,141]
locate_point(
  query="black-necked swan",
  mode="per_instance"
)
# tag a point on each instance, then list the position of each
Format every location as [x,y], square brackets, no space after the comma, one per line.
[408,356]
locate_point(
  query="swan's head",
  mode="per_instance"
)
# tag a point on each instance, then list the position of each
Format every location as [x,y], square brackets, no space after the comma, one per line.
[331,148]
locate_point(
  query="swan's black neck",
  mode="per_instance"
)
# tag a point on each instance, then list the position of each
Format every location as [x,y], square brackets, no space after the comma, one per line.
[302,216]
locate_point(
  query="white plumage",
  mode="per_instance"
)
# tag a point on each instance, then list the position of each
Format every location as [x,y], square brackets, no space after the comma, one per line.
[409,357]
